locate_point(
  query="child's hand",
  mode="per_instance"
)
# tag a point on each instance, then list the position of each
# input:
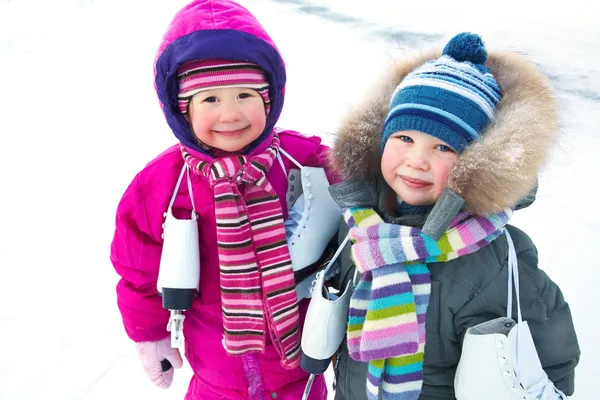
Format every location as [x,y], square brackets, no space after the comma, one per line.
[152,354]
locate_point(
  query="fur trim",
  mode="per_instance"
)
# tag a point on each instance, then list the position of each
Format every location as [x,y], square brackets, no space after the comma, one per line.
[494,172]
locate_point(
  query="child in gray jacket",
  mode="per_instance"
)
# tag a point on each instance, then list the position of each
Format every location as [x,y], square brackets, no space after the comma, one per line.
[431,180]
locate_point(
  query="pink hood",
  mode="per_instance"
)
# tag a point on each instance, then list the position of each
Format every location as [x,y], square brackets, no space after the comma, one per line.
[215,29]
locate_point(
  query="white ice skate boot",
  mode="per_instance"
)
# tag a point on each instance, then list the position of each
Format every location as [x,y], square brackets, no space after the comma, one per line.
[305,276]
[499,360]
[312,224]
[313,220]
[324,326]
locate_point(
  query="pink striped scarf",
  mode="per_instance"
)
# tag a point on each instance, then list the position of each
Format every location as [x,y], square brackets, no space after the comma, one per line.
[257,280]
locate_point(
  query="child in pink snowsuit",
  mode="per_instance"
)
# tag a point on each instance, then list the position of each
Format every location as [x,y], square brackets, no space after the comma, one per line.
[220,81]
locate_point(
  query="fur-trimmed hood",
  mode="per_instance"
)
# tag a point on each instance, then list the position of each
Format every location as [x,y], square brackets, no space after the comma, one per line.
[495,171]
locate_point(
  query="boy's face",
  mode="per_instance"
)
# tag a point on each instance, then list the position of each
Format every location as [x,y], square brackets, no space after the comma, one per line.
[227,118]
[416,166]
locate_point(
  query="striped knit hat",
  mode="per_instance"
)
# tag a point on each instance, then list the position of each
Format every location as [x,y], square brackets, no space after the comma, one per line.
[452,98]
[199,75]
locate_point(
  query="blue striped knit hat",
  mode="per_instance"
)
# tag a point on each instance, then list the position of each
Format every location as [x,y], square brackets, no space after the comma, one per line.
[452,98]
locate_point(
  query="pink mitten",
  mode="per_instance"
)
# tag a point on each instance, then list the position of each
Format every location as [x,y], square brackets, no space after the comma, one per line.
[152,353]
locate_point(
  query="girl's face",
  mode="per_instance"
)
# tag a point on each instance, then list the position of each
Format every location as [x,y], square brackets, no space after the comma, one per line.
[227,118]
[416,166]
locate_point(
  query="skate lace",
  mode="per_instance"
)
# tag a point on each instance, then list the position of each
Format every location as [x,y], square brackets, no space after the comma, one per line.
[543,390]
[295,215]
[292,222]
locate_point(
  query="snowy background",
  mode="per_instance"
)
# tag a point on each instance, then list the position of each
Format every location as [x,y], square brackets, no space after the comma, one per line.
[79,117]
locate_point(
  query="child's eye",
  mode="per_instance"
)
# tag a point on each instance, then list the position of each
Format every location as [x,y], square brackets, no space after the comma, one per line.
[444,148]
[244,95]
[404,138]
[211,99]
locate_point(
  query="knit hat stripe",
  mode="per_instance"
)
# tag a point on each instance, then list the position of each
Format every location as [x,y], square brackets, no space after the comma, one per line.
[239,73]
[203,81]
[436,114]
[485,91]
[452,87]
[447,72]
[259,87]
[469,70]
[204,77]
[470,73]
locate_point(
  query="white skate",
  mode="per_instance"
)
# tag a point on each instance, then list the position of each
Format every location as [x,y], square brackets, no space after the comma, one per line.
[499,360]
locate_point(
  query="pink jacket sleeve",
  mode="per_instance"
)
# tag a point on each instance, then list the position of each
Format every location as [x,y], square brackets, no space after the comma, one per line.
[135,254]
[315,154]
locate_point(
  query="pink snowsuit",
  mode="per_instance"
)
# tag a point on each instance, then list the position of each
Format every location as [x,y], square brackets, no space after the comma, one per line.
[204,29]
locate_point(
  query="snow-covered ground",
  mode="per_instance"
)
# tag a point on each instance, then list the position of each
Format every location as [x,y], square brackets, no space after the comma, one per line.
[79,117]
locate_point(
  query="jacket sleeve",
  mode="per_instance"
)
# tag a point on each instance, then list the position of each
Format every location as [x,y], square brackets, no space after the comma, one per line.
[314,153]
[554,334]
[135,255]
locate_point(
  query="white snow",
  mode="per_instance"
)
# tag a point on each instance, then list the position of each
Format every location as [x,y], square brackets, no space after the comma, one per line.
[79,117]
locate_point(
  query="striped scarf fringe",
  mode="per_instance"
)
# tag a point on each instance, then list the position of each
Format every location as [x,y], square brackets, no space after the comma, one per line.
[257,279]
[386,325]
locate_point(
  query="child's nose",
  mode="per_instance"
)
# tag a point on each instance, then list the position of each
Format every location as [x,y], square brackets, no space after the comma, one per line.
[230,112]
[417,160]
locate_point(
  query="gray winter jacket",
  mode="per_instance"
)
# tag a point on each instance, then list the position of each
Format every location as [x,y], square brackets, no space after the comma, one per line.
[465,292]
[497,172]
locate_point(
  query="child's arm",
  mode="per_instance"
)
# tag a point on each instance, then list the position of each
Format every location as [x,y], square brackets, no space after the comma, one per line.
[135,254]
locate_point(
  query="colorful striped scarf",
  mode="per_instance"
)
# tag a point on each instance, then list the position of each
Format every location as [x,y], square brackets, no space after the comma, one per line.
[386,325]
[257,280]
